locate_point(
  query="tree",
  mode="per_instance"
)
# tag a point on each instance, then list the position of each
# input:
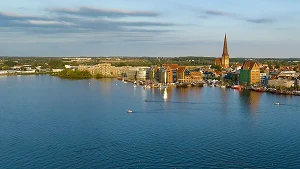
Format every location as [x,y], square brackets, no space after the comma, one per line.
[217,67]
[56,64]
[10,63]
[5,67]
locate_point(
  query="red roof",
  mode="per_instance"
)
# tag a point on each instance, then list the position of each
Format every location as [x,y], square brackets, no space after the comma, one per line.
[172,66]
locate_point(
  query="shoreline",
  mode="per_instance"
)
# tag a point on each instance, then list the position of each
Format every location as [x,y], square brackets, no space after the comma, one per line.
[187,85]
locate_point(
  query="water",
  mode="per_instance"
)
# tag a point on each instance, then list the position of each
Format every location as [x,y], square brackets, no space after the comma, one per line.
[48,122]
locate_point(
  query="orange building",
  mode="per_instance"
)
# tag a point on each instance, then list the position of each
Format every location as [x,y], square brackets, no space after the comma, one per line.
[250,73]
[181,74]
[174,68]
[196,76]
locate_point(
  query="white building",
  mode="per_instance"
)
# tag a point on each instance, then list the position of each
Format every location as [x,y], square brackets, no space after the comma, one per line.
[57,70]
[281,83]
[287,74]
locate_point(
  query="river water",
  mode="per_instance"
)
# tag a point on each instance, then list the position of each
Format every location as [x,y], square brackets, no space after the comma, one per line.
[48,122]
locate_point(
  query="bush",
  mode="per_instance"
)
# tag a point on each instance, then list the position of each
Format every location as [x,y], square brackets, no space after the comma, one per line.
[69,73]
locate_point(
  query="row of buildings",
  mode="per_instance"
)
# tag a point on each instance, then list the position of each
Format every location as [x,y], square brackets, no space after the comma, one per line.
[251,73]
[166,73]
[104,69]
[172,73]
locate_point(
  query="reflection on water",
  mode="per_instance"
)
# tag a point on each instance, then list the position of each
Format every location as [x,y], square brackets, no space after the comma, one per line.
[88,126]
[183,94]
[225,99]
[104,85]
[250,100]
[165,95]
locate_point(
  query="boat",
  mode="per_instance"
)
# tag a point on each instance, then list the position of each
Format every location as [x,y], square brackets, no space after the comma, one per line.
[276,103]
[259,90]
[125,82]
[223,86]
[129,111]
[147,87]
[162,87]
[236,87]
[134,85]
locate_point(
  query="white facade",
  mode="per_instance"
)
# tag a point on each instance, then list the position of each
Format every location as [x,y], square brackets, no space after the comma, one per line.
[281,82]
[57,70]
[287,73]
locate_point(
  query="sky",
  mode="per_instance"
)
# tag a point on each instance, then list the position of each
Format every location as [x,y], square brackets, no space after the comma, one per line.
[158,28]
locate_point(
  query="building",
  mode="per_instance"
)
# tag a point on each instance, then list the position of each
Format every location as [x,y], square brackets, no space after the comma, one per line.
[165,75]
[263,79]
[129,73]
[174,68]
[57,70]
[181,73]
[224,60]
[250,73]
[141,74]
[152,73]
[281,83]
[196,76]
[104,69]
[287,74]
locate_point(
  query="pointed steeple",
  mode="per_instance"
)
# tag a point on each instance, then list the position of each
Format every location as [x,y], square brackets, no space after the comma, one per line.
[225,50]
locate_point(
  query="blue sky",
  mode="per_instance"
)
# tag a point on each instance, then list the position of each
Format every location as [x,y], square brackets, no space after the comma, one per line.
[256,28]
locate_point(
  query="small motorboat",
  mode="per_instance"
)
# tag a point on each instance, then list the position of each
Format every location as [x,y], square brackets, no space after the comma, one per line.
[129,111]
[276,103]
[236,87]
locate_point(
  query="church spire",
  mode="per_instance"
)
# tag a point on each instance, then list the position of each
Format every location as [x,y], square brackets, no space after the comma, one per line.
[225,50]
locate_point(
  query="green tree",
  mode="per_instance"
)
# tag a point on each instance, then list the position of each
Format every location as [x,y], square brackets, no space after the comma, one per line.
[56,64]
[10,63]
[217,67]
[5,67]
[69,73]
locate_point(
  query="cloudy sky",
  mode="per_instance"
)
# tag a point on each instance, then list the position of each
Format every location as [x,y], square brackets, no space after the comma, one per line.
[256,28]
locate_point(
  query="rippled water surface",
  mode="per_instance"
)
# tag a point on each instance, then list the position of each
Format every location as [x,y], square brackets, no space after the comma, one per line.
[48,122]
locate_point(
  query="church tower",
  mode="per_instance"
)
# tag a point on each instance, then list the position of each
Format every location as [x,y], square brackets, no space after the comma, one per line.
[225,55]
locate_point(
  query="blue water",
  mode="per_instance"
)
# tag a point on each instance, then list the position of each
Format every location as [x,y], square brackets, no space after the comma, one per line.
[48,122]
